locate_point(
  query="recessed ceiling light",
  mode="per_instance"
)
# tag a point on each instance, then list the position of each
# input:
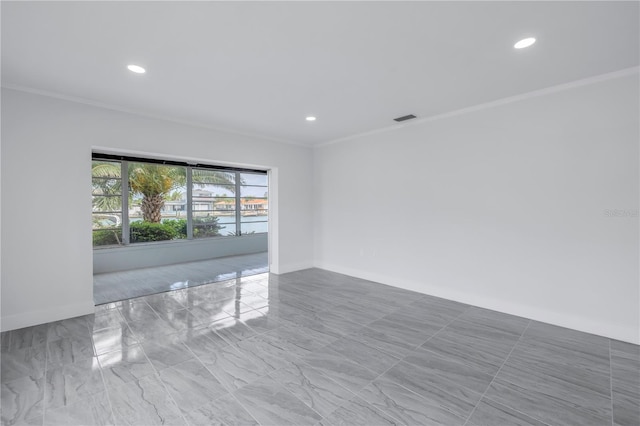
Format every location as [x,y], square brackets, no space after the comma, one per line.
[311,118]
[525,42]
[136,68]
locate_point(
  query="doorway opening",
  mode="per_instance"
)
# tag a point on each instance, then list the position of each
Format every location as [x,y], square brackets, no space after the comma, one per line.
[161,225]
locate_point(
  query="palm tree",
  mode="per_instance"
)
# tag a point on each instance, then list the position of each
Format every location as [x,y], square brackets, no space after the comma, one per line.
[154,182]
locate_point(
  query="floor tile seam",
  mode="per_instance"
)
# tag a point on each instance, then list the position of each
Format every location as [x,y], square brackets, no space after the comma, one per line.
[349,319]
[144,301]
[621,393]
[46,367]
[95,348]
[166,312]
[232,394]
[282,388]
[326,377]
[585,353]
[560,403]
[261,333]
[583,389]
[497,373]
[106,328]
[106,390]
[487,398]
[582,354]
[441,329]
[48,339]
[472,357]
[632,369]
[498,330]
[335,330]
[402,360]
[633,352]
[445,379]
[340,355]
[352,337]
[227,343]
[611,382]
[164,386]
[586,379]
[420,397]
[234,313]
[411,328]
[580,347]
[415,394]
[325,346]
[228,389]
[398,421]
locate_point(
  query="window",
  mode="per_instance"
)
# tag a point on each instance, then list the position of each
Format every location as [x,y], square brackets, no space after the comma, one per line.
[106,195]
[214,203]
[254,203]
[156,190]
[161,200]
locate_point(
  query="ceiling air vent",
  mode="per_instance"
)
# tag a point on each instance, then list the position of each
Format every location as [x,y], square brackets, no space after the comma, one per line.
[405,118]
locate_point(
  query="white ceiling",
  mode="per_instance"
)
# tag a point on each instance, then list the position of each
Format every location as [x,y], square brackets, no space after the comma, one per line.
[261,67]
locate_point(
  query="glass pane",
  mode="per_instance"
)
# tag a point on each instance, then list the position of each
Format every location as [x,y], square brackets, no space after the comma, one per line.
[158,207]
[106,204]
[206,225]
[214,204]
[106,220]
[251,204]
[253,179]
[108,169]
[146,232]
[225,205]
[106,186]
[178,225]
[249,228]
[254,191]
[107,237]
[212,177]
[208,192]
[254,215]
[158,195]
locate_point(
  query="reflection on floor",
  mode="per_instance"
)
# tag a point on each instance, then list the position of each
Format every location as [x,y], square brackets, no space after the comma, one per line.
[310,348]
[115,286]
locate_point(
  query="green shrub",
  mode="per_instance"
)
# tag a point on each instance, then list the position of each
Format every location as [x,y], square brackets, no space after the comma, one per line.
[142,232]
[206,227]
[202,227]
[179,225]
[106,237]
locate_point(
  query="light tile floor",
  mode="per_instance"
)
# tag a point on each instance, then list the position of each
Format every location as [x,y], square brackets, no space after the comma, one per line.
[312,348]
[115,286]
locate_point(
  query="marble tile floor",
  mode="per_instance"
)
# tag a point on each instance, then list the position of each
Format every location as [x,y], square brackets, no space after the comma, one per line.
[115,286]
[312,348]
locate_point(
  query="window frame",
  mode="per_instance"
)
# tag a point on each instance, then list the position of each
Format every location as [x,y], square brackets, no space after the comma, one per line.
[125,194]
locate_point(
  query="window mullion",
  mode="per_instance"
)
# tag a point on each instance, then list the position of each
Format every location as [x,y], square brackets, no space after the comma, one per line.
[124,180]
[238,205]
[189,203]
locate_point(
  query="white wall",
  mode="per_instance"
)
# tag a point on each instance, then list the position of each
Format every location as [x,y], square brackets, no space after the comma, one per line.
[46,201]
[507,204]
[502,207]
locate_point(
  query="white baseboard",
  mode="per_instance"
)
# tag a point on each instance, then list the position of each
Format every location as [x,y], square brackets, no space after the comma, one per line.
[588,325]
[291,267]
[27,319]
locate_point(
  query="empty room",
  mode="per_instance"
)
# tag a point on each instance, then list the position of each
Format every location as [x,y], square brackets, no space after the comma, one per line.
[320,213]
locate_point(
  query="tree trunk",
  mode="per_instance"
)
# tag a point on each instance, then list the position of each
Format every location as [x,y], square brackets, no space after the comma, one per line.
[151,208]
